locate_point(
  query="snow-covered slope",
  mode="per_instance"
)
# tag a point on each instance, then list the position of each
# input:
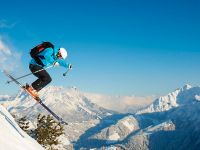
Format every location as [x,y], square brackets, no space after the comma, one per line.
[118,131]
[70,104]
[12,137]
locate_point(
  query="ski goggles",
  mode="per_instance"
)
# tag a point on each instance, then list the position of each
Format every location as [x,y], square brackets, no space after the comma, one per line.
[59,55]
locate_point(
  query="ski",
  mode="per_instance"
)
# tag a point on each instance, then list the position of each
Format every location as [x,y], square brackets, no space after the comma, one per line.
[38,99]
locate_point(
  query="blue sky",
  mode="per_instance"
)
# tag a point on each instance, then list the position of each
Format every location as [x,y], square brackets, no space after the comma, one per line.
[118,47]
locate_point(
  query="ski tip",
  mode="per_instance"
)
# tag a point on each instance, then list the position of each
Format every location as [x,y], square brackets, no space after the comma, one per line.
[64,123]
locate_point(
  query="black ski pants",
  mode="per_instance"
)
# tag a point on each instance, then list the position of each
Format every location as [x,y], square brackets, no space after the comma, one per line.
[43,77]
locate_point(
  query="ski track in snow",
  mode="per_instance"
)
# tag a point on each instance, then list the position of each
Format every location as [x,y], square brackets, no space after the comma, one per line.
[12,136]
[11,123]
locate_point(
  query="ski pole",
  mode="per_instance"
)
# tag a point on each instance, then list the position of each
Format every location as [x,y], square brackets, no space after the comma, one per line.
[30,74]
[64,74]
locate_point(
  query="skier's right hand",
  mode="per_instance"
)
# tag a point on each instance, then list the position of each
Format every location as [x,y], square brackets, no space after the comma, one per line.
[55,64]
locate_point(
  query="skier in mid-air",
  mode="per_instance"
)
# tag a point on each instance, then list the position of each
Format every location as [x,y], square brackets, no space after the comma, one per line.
[45,55]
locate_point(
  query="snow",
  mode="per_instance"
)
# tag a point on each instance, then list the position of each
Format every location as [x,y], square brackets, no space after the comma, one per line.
[12,136]
[167,102]
[112,148]
[197,97]
[128,125]
[177,112]
[168,125]
[62,139]
[114,137]
[187,87]
[86,110]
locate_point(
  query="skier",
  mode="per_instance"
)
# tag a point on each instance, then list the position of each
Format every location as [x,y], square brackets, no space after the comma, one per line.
[48,56]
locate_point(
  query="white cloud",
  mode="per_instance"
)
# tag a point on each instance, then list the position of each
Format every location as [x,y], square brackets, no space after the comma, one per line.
[4,48]
[123,104]
[9,59]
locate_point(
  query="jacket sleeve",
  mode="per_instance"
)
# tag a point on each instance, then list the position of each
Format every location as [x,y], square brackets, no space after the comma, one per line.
[63,63]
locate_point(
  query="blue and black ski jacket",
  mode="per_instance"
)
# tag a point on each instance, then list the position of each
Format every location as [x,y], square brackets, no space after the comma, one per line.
[49,57]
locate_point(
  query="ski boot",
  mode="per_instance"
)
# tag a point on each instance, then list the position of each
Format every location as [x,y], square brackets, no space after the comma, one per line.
[32,91]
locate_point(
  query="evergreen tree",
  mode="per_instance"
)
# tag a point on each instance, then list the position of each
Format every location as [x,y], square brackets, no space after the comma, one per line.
[23,124]
[48,130]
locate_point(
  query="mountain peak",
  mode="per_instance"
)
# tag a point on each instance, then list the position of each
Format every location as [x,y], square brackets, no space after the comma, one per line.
[60,88]
[187,87]
[182,95]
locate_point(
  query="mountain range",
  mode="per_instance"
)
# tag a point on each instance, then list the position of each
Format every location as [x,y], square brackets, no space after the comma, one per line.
[170,122]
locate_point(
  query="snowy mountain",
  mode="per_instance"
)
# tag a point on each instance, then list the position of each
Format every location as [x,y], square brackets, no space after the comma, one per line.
[174,99]
[70,104]
[12,137]
[171,122]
